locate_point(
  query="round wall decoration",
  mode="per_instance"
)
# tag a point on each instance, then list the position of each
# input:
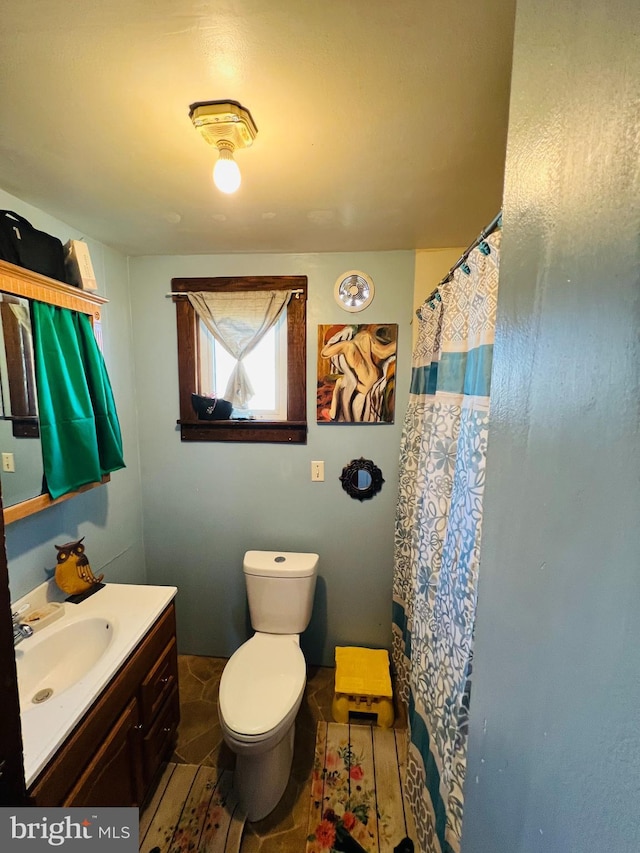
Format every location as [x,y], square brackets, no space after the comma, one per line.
[361,479]
[354,290]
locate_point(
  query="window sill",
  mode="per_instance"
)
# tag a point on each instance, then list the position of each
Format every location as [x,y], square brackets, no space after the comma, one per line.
[286,432]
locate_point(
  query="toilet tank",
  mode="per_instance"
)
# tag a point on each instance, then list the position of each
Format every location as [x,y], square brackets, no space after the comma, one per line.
[280,588]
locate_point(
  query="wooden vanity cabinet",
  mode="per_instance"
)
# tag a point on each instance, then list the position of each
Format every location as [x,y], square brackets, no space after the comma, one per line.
[113,775]
[113,754]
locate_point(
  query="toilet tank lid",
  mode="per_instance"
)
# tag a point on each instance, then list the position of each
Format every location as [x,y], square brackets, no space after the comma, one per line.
[278,564]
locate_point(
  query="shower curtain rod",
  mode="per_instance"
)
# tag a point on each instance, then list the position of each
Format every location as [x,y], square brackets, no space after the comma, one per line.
[483,235]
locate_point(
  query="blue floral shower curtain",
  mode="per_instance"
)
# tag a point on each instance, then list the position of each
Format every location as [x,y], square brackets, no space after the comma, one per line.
[437,537]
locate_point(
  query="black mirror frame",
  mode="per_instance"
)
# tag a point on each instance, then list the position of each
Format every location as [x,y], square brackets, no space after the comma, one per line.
[347,477]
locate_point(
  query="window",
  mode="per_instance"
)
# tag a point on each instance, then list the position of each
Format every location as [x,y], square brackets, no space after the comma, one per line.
[276,367]
[266,366]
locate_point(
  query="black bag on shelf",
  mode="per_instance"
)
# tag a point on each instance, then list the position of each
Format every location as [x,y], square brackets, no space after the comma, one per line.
[211,408]
[25,246]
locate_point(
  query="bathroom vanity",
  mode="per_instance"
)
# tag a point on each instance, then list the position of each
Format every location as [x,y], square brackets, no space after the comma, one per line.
[100,739]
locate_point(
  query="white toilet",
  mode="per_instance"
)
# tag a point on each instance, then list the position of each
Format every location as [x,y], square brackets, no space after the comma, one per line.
[263,682]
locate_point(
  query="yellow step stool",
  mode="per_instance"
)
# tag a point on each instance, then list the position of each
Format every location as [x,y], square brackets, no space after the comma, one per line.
[363,684]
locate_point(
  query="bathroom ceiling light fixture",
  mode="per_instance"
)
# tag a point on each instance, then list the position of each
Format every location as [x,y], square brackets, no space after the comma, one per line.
[227,125]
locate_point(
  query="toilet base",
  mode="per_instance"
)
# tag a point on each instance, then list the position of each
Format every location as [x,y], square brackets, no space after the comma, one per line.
[260,780]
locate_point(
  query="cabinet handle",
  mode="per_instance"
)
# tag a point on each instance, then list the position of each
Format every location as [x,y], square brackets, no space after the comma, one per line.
[166,729]
[165,680]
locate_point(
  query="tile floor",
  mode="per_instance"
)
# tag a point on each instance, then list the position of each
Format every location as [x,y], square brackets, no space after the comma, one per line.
[200,742]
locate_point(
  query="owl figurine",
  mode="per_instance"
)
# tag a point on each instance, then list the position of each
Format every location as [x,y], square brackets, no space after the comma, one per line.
[73,572]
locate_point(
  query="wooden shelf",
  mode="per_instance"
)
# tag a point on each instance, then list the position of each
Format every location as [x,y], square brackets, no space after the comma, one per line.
[28,507]
[32,285]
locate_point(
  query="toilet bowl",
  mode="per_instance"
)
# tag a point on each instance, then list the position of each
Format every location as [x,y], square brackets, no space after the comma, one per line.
[260,693]
[263,682]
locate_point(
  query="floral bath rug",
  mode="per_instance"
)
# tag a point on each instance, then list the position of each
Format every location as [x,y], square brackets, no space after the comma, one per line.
[357,803]
[193,808]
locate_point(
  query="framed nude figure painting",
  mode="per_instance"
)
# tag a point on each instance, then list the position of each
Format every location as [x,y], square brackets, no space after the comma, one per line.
[356,373]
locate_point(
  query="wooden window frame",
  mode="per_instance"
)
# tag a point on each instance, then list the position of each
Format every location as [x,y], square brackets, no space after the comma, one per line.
[291,431]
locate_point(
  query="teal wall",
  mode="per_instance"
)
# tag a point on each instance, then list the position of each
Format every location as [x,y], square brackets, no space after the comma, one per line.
[205,504]
[110,517]
[554,752]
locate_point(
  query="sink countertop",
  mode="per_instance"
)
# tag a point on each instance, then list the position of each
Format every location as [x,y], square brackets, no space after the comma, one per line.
[131,610]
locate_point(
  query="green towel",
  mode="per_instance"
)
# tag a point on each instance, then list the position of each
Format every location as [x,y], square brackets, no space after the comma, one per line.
[79,428]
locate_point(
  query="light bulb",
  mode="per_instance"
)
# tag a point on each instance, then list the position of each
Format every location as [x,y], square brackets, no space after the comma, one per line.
[226,174]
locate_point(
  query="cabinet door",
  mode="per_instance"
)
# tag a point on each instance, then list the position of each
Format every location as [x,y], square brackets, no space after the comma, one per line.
[114,776]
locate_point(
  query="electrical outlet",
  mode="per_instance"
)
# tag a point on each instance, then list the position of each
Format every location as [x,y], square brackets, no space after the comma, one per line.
[317,472]
[8,462]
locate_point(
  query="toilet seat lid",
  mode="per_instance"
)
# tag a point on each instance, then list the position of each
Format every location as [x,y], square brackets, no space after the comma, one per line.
[261,683]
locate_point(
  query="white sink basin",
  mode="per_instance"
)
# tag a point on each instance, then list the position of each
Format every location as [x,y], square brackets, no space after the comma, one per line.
[76,657]
[50,665]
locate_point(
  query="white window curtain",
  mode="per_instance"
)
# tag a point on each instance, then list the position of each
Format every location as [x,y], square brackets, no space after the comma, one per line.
[238,321]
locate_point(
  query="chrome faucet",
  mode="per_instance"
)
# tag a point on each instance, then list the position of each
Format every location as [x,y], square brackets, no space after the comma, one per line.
[20,630]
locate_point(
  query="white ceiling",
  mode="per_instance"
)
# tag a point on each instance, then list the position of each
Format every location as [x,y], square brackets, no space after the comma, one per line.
[381,123]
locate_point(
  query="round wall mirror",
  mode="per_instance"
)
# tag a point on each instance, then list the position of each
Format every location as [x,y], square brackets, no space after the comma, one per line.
[361,479]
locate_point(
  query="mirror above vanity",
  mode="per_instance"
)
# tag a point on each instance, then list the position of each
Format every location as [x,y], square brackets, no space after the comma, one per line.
[22,487]
[19,428]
